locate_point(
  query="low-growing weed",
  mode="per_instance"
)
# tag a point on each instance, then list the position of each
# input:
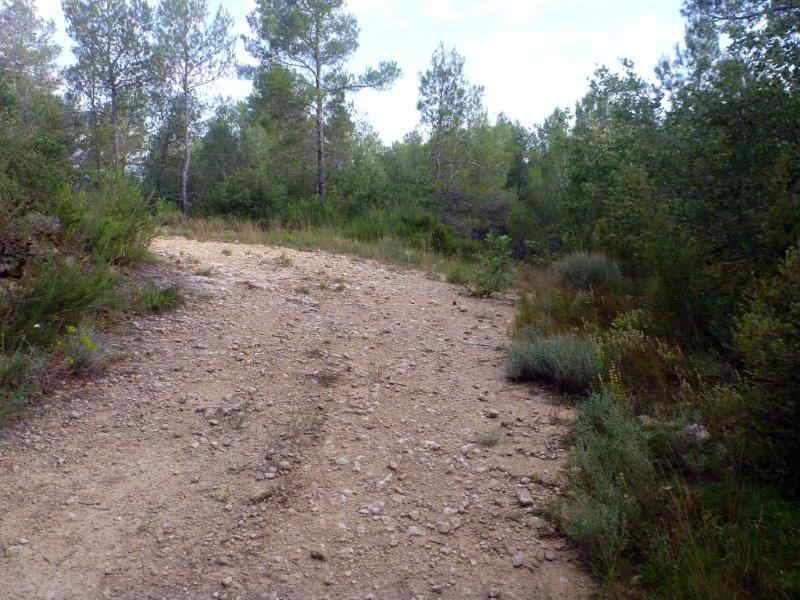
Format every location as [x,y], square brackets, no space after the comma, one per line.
[20,375]
[488,438]
[283,261]
[206,272]
[83,351]
[155,299]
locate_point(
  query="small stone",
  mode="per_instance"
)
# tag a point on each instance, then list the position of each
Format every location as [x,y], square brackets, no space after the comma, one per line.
[317,554]
[537,523]
[518,560]
[342,460]
[71,500]
[437,588]
[493,594]
[285,465]
[16,549]
[443,527]
[492,413]
[227,582]
[392,466]
[549,555]
[524,497]
[415,531]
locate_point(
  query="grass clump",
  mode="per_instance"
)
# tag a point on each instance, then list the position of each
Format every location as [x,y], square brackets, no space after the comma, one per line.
[489,439]
[587,271]
[157,300]
[570,362]
[283,261]
[206,272]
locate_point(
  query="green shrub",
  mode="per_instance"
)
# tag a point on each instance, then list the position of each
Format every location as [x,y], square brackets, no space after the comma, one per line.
[443,241]
[111,222]
[557,309]
[369,228]
[611,479]
[459,273]
[572,363]
[768,340]
[312,211]
[725,540]
[585,271]
[20,374]
[649,369]
[497,269]
[51,296]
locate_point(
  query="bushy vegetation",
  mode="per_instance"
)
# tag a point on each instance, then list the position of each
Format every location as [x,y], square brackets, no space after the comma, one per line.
[768,341]
[656,498]
[653,229]
[572,363]
[65,237]
[588,272]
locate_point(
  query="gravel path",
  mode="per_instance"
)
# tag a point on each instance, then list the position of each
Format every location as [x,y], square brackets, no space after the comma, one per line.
[308,426]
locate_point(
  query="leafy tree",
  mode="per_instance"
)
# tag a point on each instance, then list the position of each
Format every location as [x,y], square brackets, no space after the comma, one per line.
[767,32]
[113,59]
[314,39]
[448,106]
[27,52]
[194,53]
[35,142]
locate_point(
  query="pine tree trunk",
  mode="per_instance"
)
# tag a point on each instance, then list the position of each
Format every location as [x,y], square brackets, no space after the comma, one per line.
[320,117]
[115,127]
[320,150]
[187,149]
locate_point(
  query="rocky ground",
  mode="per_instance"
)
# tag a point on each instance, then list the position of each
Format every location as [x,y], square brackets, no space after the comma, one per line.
[307,426]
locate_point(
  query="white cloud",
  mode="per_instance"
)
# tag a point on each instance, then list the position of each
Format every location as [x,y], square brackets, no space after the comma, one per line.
[528,74]
[507,11]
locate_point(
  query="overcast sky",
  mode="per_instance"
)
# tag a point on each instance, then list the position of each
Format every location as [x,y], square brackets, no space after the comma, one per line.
[531,55]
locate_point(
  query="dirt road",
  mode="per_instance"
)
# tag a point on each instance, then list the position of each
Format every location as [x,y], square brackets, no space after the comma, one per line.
[308,426]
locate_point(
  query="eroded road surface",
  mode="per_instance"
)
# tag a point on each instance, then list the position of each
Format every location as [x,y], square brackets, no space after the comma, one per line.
[307,426]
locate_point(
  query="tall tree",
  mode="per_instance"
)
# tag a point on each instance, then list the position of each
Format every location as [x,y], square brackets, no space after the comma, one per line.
[27,57]
[764,32]
[26,46]
[194,53]
[113,57]
[448,104]
[314,38]
[35,143]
